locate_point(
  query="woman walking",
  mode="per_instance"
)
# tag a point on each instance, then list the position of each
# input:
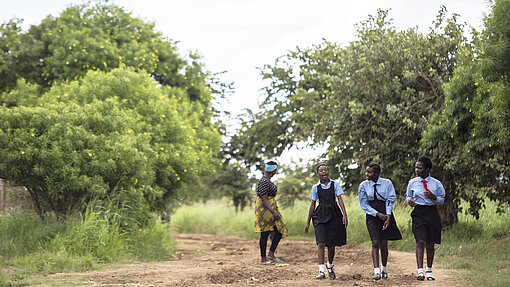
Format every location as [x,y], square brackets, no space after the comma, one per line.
[267,217]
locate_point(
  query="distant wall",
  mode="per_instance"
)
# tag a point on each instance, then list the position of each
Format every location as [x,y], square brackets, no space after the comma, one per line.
[14,197]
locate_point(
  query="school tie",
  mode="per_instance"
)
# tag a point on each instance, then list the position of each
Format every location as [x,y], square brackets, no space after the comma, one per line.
[375,191]
[425,185]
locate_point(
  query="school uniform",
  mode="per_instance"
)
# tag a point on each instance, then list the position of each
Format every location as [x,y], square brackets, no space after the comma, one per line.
[379,197]
[426,222]
[327,217]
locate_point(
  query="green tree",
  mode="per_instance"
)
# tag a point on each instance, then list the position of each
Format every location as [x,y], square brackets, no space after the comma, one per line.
[94,36]
[367,101]
[294,182]
[469,138]
[108,136]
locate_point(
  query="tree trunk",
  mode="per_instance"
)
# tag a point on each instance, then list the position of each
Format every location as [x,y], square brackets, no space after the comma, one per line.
[36,202]
[449,210]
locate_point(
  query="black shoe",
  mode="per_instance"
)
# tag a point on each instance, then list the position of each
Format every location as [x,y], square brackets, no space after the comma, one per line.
[377,276]
[421,276]
[321,275]
[331,272]
[384,275]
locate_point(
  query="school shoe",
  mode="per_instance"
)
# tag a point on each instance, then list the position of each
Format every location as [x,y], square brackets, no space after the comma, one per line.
[321,275]
[377,276]
[384,275]
[430,276]
[331,272]
[420,276]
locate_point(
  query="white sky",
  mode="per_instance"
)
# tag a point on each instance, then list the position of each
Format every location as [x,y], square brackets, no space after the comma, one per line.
[238,36]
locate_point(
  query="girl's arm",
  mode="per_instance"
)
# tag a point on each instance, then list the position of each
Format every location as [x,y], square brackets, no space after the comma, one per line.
[344,212]
[310,211]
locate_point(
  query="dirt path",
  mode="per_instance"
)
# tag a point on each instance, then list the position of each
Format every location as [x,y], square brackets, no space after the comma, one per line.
[211,260]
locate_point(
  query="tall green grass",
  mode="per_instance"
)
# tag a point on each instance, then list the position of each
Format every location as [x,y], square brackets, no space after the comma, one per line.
[81,242]
[480,247]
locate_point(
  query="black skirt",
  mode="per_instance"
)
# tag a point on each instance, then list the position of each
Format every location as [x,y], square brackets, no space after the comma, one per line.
[426,224]
[328,225]
[375,225]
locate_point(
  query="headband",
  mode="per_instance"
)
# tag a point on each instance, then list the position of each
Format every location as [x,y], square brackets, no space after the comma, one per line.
[270,167]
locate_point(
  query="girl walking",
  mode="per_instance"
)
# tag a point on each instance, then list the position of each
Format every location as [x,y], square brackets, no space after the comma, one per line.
[376,197]
[328,221]
[424,193]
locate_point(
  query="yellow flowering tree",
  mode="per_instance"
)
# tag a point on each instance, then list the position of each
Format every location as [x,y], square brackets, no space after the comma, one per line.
[93,36]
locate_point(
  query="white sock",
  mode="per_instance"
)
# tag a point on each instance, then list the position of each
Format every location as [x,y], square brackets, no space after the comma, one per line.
[321,268]
[383,269]
[429,269]
[376,270]
[420,270]
[329,264]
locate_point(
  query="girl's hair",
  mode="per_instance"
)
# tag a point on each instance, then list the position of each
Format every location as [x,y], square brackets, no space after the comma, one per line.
[321,164]
[375,166]
[426,161]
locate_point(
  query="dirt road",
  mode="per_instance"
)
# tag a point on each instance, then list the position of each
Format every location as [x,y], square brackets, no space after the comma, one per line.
[211,260]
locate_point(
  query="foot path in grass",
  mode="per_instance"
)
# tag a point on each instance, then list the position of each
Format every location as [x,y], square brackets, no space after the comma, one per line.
[213,260]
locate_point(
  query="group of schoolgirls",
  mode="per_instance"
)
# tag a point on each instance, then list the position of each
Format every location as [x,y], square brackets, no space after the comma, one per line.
[376,197]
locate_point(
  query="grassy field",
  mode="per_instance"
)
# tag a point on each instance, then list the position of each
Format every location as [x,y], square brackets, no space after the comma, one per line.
[30,248]
[479,248]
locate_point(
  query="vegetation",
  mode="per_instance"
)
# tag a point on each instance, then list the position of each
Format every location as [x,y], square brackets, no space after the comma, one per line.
[469,138]
[367,101]
[476,246]
[392,95]
[82,242]
[98,106]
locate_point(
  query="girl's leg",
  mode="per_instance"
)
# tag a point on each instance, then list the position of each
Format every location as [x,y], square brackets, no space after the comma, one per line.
[384,252]
[430,260]
[320,253]
[274,243]
[263,245]
[331,254]
[420,248]
[375,252]
[430,254]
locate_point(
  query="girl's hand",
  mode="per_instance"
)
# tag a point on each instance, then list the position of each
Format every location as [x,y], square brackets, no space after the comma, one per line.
[411,202]
[345,221]
[386,222]
[307,226]
[276,215]
[381,216]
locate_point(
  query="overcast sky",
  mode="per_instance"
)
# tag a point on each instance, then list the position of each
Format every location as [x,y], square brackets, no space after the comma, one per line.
[238,36]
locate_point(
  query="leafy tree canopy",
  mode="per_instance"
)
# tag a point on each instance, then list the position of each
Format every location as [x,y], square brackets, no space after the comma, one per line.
[93,36]
[368,101]
[469,138]
[109,135]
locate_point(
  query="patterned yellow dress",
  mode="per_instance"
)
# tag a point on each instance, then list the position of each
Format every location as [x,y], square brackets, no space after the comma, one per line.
[264,220]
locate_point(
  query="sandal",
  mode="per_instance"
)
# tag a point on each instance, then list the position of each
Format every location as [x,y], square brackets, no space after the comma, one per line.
[268,262]
[276,260]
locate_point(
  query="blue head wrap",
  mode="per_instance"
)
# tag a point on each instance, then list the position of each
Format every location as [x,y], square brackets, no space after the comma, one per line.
[270,167]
